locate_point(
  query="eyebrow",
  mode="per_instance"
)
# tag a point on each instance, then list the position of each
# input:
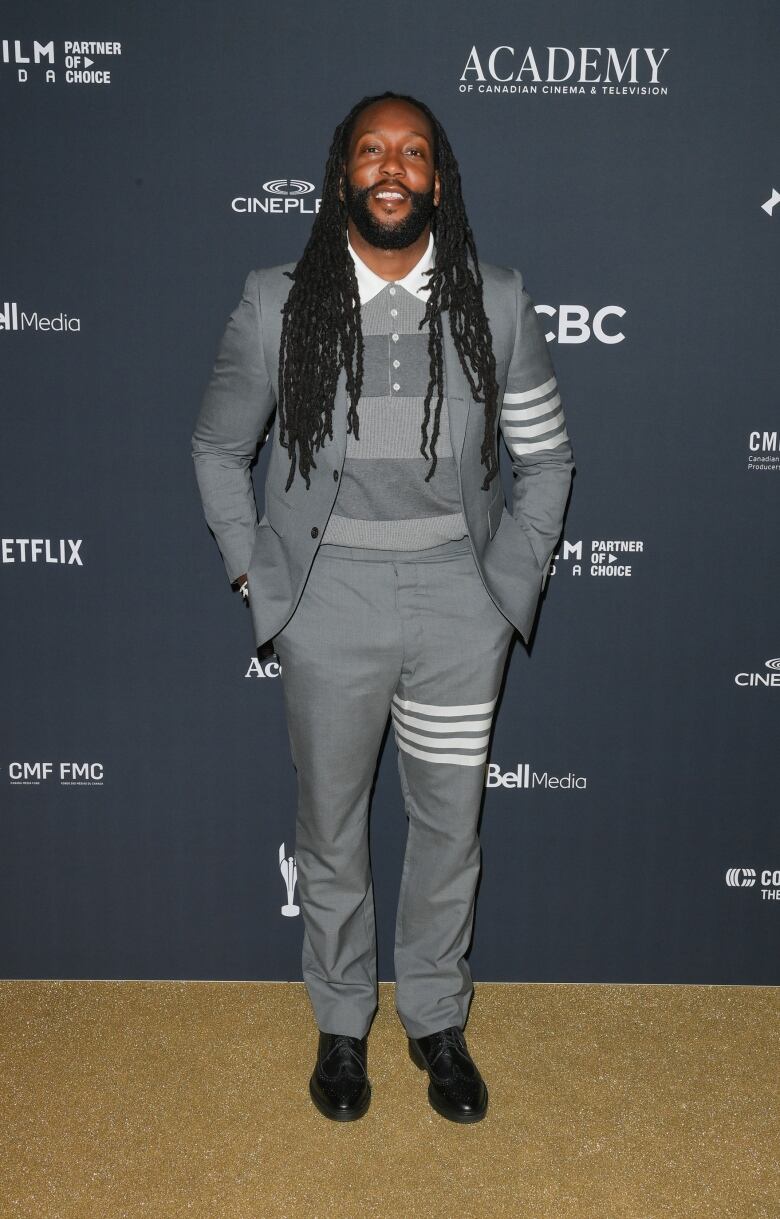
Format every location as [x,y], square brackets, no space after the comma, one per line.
[377,131]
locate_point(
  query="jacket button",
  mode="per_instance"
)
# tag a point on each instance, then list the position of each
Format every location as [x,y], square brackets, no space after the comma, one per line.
[335,476]
[314,531]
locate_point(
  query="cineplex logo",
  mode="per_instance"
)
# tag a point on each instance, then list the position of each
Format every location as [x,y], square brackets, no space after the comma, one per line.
[282,196]
[42,550]
[763,451]
[63,774]
[42,60]
[12,317]
[605,71]
[770,680]
[523,776]
[745,878]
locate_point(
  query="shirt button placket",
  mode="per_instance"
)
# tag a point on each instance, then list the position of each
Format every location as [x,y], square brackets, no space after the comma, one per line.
[396,363]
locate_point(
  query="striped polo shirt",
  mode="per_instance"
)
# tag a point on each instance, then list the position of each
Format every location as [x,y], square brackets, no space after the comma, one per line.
[383,501]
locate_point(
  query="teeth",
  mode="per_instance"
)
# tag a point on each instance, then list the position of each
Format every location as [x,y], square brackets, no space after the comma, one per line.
[389,194]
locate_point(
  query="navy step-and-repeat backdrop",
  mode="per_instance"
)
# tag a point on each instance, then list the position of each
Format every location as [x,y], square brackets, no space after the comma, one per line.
[625,160]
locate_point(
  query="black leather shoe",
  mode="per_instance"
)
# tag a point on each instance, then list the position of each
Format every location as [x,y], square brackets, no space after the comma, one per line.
[457,1090]
[339,1086]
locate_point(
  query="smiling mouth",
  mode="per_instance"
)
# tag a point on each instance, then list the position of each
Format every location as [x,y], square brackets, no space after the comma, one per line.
[389,194]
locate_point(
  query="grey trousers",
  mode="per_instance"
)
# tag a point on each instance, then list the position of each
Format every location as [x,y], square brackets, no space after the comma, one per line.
[413,634]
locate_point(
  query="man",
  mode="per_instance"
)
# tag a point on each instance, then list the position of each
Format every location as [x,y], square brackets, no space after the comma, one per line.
[386,570]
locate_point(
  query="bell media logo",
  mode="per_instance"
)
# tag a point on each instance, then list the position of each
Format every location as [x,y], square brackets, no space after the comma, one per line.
[524,777]
[282,197]
[13,317]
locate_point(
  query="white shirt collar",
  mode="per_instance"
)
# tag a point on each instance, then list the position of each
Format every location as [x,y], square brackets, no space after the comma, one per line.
[369,283]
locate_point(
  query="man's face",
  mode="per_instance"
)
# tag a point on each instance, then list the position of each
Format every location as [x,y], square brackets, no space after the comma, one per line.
[390,186]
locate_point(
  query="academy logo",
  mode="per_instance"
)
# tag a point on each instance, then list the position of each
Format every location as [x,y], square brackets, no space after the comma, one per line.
[602,71]
[283,196]
[289,871]
[263,668]
[53,63]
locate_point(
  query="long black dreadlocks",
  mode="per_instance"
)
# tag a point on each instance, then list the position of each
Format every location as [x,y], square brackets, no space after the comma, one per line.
[321,331]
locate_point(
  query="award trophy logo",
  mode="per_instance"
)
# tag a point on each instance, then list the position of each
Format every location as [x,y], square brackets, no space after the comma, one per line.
[290,873]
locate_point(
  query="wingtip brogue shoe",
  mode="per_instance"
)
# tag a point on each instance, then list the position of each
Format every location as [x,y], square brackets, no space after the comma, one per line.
[339,1085]
[456,1090]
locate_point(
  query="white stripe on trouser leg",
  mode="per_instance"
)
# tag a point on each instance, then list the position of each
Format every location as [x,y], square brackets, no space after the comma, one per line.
[441,732]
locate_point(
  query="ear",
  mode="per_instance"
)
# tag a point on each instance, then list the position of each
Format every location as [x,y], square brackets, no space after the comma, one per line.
[436,188]
[341,183]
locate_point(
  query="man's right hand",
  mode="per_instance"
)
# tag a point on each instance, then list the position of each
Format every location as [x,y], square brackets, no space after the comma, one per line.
[266,650]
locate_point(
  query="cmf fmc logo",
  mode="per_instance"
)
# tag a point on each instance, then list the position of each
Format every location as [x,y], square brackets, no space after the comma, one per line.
[282,196]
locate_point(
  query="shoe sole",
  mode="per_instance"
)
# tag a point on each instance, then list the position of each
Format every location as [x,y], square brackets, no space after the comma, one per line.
[451,1115]
[339,1115]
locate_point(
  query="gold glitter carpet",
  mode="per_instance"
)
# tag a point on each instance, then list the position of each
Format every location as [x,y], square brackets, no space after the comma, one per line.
[167,1099]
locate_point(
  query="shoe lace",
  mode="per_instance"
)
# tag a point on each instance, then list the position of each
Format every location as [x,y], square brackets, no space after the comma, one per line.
[345,1047]
[449,1039]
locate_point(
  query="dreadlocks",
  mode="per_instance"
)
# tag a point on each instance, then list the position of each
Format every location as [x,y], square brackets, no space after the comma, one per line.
[321,330]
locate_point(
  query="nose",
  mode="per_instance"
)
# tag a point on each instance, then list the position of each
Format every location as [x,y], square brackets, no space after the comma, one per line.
[391,164]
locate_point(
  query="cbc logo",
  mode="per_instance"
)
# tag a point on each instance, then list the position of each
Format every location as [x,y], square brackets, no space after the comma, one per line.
[575,324]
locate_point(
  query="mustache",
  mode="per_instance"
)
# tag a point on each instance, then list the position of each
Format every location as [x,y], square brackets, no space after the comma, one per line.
[396,186]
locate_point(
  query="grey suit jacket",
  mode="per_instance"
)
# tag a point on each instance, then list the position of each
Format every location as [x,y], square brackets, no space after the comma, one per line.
[513,549]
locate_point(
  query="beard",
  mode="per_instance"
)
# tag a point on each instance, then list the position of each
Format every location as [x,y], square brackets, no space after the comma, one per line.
[389,234]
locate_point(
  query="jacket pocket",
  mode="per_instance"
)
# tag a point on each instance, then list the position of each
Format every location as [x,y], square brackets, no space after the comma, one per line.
[532,544]
[495,510]
[277,509]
